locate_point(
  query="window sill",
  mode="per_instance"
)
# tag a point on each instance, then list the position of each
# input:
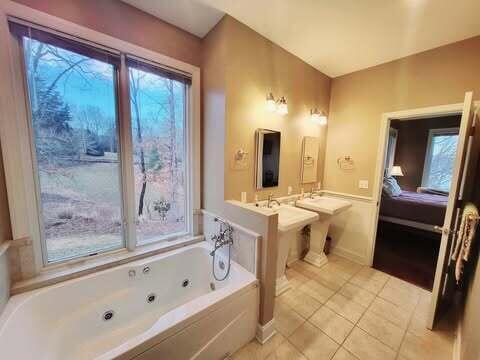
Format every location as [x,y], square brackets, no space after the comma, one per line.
[106,261]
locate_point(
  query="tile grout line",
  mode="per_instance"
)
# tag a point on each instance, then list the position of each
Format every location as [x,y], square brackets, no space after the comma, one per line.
[324,304]
[406,330]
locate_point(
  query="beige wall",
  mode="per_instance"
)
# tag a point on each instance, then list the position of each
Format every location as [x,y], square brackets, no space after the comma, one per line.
[435,77]
[256,66]
[213,117]
[125,22]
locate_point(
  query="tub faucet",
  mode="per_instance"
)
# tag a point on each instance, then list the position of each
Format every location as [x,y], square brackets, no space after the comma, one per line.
[224,237]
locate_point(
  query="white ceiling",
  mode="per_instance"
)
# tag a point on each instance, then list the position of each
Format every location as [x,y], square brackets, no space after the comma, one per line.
[190,15]
[335,36]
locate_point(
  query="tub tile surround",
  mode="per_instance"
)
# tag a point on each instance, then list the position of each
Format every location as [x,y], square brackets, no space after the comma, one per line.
[366,315]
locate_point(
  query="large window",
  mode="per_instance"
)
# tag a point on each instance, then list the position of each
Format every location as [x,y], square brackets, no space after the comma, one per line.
[74,92]
[440,159]
[158,113]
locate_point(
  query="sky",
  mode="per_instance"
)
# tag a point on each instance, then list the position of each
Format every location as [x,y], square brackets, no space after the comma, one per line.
[94,86]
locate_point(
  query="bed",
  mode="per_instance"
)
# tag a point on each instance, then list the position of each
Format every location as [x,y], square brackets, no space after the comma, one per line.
[415,209]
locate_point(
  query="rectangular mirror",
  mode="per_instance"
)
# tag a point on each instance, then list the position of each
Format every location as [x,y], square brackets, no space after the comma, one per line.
[309,165]
[267,158]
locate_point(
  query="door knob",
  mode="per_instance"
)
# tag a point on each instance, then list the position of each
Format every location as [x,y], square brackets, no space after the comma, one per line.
[443,230]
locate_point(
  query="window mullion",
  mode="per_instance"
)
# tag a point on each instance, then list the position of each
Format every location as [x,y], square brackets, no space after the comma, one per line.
[126,156]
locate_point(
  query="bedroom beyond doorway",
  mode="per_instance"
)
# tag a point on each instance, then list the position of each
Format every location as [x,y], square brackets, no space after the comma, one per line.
[418,171]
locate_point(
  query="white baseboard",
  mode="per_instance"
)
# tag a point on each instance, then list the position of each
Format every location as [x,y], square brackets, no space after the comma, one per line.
[349,255]
[265,332]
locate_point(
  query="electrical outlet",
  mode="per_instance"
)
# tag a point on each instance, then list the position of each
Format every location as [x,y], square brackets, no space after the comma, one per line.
[363,184]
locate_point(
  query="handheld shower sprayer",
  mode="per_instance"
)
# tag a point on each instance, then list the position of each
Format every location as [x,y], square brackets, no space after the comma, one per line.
[224,237]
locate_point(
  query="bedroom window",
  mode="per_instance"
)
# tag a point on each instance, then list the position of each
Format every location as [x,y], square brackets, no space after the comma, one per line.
[440,159]
[105,179]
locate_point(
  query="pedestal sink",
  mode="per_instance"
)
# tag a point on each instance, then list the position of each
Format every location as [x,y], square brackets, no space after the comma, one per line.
[326,207]
[290,220]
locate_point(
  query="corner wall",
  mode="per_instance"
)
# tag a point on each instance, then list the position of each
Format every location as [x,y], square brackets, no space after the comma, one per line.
[435,77]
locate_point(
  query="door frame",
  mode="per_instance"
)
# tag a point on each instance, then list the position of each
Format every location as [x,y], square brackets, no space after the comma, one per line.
[410,114]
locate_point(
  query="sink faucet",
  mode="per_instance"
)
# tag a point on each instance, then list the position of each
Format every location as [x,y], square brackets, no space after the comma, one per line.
[314,191]
[271,200]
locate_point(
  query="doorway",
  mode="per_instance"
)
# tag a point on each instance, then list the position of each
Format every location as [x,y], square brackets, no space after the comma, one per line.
[462,182]
[420,155]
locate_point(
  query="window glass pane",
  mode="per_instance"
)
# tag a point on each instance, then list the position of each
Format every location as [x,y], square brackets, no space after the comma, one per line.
[443,149]
[158,123]
[73,107]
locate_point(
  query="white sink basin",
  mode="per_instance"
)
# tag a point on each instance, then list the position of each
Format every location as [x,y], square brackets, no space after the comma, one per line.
[324,205]
[293,218]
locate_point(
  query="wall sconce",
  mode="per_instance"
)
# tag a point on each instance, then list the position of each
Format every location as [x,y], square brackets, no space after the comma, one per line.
[280,105]
[282,108]
[318,117]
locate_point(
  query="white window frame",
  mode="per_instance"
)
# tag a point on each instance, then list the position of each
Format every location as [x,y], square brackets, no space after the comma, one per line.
[428,153]
[16,143]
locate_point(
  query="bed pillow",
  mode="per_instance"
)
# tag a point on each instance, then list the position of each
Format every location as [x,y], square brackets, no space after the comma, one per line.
[391,187]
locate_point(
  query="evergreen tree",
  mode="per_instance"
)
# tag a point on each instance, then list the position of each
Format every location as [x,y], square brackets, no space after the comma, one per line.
[51,122]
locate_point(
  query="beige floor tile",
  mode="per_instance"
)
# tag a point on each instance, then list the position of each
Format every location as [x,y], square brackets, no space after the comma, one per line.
[313,343]
[423,305]
[330,278]
[395,314]
[295,278]
[286,320]
[317,291]
[332,324]
[357,294]
[382,329]
[286,351]
[400,294]
[305,269]
[444,330]
[370,279]
[345,307]
[343,354]
[347,265]
[426,347]
[300,302]
[371,273]
[366,347]
[256,351]
[342,271]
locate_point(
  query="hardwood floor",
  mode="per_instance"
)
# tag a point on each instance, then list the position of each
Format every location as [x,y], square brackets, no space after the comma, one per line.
[407,253]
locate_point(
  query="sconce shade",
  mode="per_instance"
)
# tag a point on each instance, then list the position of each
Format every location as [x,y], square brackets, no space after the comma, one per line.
[396,171]
[318,117]
[282,108]
[270,104]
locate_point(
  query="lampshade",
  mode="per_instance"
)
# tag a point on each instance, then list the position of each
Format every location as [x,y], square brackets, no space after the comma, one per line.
[318,117]
[282,108]
[396,171]
[271,105]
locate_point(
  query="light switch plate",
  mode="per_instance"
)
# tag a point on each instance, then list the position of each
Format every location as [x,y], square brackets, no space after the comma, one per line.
[363,184]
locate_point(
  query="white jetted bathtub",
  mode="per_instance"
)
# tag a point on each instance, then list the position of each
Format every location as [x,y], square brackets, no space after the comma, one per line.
[164,307]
